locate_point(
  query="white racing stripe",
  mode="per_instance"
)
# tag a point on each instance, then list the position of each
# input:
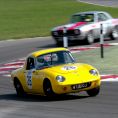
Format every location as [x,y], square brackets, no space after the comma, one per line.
[17,62]
[7,75]
[4,72]
[113,44]
[76,51]
[110,80]
[7,67]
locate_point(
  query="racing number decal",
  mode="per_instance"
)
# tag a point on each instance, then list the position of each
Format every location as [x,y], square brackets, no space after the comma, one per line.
[29,79]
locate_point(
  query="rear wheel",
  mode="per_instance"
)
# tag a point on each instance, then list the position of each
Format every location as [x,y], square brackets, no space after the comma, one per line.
[59,43]
[90,38]
[48,88]
[114,34]
[19,89]
[93,92]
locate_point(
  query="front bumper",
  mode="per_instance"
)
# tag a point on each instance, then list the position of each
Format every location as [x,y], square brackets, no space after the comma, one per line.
[73,88]
[71,35]
[70,38]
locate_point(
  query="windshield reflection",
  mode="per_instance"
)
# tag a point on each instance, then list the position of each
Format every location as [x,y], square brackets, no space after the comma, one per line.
[53,59]
[82,18]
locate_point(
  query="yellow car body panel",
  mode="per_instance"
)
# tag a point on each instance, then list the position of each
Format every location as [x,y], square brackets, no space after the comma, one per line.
[73,73]
[37,53]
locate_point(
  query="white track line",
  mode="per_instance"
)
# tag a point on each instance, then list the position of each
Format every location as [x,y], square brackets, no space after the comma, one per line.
[95,4]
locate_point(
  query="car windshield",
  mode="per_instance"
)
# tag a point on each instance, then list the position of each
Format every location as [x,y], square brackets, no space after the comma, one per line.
[53,59]
[82,18]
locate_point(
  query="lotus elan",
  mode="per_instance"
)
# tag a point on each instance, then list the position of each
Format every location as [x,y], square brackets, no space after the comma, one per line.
[53,72]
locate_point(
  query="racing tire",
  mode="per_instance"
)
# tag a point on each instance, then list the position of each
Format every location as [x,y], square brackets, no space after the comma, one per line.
[47,87]
[89,38]
[93,92]
[19,89]
[114,34]
[59,43]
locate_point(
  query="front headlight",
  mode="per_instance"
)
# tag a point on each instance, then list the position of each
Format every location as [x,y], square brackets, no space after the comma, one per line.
[77,31]
[60,78]
[55,33]
[93,72]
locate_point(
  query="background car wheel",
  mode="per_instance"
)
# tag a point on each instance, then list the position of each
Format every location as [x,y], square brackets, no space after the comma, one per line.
[114,34]
[59,43]
[90,38]
[19,89]
[48,88]
[94,91]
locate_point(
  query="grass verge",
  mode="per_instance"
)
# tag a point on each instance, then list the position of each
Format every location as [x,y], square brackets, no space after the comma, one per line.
[106,65]
[31,18]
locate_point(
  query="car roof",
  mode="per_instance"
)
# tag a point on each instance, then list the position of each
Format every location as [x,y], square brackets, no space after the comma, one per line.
[89,12]
[45,51]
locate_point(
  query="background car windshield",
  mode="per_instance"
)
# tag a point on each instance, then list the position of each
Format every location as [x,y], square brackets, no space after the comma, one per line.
[82,18]
[52,59]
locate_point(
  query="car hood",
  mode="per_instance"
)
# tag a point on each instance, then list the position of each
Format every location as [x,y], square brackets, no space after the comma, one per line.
[69,68]
[71,26]
[75,73]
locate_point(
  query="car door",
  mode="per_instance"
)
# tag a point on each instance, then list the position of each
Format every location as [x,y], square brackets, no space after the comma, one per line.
[33,77]
[106,22]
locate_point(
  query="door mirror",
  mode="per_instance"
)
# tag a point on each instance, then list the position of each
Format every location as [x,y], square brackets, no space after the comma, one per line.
[33,70]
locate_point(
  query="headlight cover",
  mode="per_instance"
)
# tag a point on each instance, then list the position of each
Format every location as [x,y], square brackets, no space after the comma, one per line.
[93,72]
[77,31]
[55,33]
[60,78]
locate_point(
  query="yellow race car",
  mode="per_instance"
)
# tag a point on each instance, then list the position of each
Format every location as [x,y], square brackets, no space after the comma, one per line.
[54,71]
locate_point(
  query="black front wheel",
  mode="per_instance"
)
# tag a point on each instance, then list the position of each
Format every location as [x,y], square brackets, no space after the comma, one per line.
[93,92]
[19,89]
[48,88]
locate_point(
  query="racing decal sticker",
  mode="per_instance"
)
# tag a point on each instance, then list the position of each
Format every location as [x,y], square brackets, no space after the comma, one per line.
[29,79]
[69,68]
[71,26]
[77,25]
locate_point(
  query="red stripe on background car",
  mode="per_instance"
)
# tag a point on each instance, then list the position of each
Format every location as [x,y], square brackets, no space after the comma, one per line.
[77,25]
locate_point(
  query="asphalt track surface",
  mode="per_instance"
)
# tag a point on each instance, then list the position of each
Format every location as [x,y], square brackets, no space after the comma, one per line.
[111,3]
[10,48]
[105,105]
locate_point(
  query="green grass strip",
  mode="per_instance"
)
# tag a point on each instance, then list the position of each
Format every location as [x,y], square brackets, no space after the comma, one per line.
[32,18]
[106,65]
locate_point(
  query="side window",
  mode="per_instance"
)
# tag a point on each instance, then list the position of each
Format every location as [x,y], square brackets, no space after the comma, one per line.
[67,57]
[88,18]
[42,61]
[102,17]
[30,63]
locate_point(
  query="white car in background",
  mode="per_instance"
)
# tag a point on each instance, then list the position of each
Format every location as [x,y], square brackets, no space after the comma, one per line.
[86,26]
